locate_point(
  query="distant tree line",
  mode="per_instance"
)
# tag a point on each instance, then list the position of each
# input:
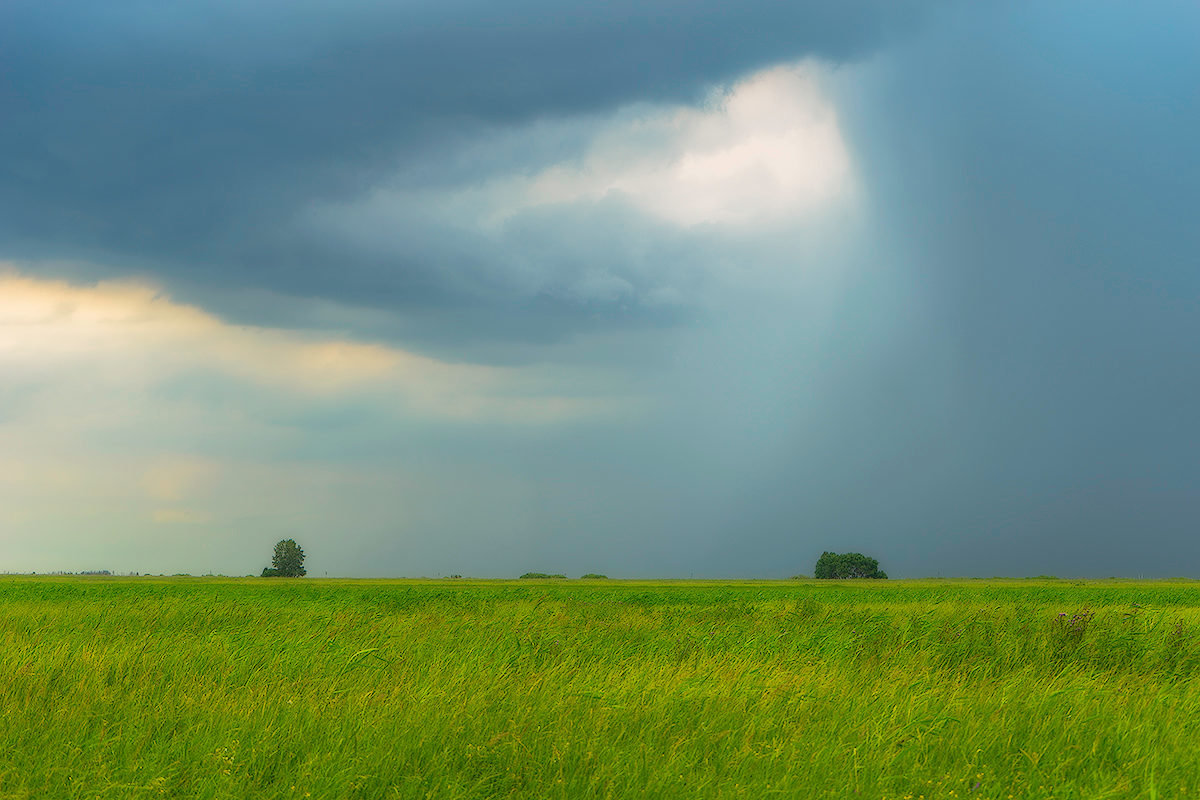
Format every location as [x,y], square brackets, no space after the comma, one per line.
[64,572]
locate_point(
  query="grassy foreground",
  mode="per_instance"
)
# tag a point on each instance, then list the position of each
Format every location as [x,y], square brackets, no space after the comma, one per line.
[142,688]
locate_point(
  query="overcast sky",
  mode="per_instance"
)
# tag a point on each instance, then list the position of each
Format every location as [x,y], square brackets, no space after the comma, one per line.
[643,288]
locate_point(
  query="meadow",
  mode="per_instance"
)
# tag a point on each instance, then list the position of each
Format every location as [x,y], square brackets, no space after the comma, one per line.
[258,688]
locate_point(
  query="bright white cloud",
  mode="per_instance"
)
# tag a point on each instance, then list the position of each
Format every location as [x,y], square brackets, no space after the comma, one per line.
[766,150]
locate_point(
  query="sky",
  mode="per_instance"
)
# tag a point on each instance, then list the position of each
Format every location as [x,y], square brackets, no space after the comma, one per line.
[650,289]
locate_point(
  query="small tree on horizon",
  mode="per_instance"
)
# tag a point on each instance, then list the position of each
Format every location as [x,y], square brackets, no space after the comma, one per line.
[287,562]
[847,565]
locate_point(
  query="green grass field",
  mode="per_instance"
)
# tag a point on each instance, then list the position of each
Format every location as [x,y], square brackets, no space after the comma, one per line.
[144,688]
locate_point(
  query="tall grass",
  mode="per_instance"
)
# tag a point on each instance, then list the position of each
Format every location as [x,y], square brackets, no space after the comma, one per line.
[289,689]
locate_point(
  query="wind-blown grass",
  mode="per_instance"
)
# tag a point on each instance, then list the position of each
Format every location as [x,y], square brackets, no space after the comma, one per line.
[286,689]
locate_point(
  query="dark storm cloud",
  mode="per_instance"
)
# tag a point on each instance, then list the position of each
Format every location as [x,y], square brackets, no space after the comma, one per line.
[184,140]
[1035,175]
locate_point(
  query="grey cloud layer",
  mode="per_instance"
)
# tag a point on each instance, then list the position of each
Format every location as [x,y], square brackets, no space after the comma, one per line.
[187,141]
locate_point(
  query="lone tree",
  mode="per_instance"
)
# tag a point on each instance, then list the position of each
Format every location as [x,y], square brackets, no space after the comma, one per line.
[847,565]
[288,561]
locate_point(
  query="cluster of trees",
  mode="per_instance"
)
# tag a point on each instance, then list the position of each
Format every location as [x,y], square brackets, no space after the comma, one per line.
[847,565]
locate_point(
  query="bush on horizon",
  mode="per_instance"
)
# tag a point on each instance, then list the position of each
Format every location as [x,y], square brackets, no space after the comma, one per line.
[847,565]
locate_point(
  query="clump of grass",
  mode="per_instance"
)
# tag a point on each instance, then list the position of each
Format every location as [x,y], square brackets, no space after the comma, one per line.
[1072,627]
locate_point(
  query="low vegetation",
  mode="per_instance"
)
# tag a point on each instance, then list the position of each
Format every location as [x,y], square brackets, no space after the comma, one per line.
[209,688]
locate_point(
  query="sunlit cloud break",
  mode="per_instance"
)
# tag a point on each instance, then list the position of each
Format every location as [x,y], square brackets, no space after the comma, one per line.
[764,151]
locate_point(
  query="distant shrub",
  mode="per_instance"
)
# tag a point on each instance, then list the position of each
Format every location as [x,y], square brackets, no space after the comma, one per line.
[593,576]
[454,576]
[287,561]
[847,565]
[542,576]
[800,577]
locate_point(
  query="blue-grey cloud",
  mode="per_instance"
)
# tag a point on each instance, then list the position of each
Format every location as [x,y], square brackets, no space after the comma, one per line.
[185,141]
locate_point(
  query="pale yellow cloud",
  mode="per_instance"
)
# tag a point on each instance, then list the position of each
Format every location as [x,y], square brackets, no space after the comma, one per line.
[117,337]
[174,479]
[137,432]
